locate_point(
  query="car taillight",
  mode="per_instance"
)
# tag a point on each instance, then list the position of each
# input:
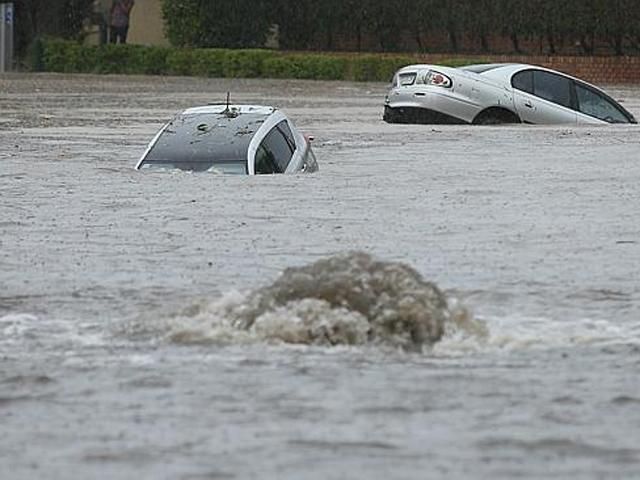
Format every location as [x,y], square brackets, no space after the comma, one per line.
[437,79]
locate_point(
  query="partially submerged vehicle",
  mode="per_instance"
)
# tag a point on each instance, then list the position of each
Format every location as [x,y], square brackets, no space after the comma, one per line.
[497,93]
[237,139]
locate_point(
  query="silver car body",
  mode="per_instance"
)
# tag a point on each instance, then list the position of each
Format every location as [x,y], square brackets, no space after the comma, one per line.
[230,139]
[497,93]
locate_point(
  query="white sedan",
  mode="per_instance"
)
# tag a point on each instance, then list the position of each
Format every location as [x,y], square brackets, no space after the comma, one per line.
[240,139]
[497,93]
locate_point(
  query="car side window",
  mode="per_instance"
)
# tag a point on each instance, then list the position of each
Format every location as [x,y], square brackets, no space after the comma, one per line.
[265,162]
[552,87]
[523,81]
[275,151]
[595,105]
[288,134]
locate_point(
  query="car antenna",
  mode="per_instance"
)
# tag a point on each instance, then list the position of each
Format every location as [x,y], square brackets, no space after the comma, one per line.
[228,111]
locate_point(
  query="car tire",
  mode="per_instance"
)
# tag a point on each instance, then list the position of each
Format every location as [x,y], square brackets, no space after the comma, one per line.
[391,115]
[496,117]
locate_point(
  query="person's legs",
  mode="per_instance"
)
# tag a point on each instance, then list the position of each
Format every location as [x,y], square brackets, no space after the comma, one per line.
[113,34]
[119,34]
[123,34]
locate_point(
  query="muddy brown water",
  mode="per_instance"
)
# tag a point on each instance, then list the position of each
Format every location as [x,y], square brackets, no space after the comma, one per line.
[121,356]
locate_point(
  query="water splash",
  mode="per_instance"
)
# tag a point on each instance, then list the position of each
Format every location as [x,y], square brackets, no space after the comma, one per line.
[347,299]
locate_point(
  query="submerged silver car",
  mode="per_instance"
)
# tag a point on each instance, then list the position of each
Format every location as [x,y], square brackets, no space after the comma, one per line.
[239,139]
[497,93]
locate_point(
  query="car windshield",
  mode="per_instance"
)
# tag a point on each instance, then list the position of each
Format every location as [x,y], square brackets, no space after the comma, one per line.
[482,68]
[205,141]
[238,167]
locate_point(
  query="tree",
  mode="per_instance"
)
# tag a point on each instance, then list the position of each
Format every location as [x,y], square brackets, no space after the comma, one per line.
[298,23]
[59,18]
[513,20]
[421,17]
[217,23]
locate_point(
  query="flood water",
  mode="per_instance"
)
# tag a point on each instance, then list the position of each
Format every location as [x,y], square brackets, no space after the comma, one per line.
[124,350]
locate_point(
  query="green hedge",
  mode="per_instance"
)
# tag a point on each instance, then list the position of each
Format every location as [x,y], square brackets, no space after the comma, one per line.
[309,66]
[72,57]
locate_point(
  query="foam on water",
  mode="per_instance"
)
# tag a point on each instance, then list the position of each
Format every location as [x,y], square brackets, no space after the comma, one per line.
[23,332]
[518,332]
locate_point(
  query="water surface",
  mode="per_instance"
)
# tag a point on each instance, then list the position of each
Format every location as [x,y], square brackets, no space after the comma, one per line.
[119,358]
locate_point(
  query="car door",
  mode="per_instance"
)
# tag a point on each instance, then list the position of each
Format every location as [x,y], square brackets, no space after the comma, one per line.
[542,97]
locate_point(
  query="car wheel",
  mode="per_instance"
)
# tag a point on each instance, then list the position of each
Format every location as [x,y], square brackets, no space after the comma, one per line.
[391,115]
[490,120]
[496,117]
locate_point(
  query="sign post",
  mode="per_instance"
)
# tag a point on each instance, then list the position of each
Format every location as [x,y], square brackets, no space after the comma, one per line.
[6,37]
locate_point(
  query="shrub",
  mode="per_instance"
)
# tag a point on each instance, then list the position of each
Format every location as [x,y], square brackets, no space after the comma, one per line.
[377,68]
[311,66]
[180,61]
[245,63]
[35,55]
[67,56]
[116,59]
[154,60]
[209,62]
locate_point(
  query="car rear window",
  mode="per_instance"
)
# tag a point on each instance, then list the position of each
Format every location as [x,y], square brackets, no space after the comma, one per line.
[597,105]
[200,141]
[407,79]
[482,68]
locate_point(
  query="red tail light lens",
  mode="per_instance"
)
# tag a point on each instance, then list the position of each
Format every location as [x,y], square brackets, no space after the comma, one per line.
[437,79]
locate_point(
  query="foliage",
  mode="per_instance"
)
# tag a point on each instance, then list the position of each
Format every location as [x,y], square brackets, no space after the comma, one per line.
[245,63]
[499,26]
[309,66]
[548,26]
[73,57]
[217,23]
[60,18]
[369,67]
[183,24]
[70,56]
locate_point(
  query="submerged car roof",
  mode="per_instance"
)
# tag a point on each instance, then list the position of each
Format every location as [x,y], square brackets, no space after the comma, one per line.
[211,133]
[220,108]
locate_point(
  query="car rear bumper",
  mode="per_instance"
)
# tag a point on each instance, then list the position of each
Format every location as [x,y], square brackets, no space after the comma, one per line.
[419,115]
[441,106]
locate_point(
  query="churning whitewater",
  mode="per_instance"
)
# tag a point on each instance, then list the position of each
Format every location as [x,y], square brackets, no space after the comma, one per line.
[348,299]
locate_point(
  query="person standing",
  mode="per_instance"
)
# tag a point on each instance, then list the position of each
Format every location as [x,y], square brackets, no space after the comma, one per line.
[119,21]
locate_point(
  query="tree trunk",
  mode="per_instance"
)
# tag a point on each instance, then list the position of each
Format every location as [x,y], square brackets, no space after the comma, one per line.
[453,40]
[618,45]
[484,43]
[551,42]
[587,47]
[419,40]
[329,44]
[515,41]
